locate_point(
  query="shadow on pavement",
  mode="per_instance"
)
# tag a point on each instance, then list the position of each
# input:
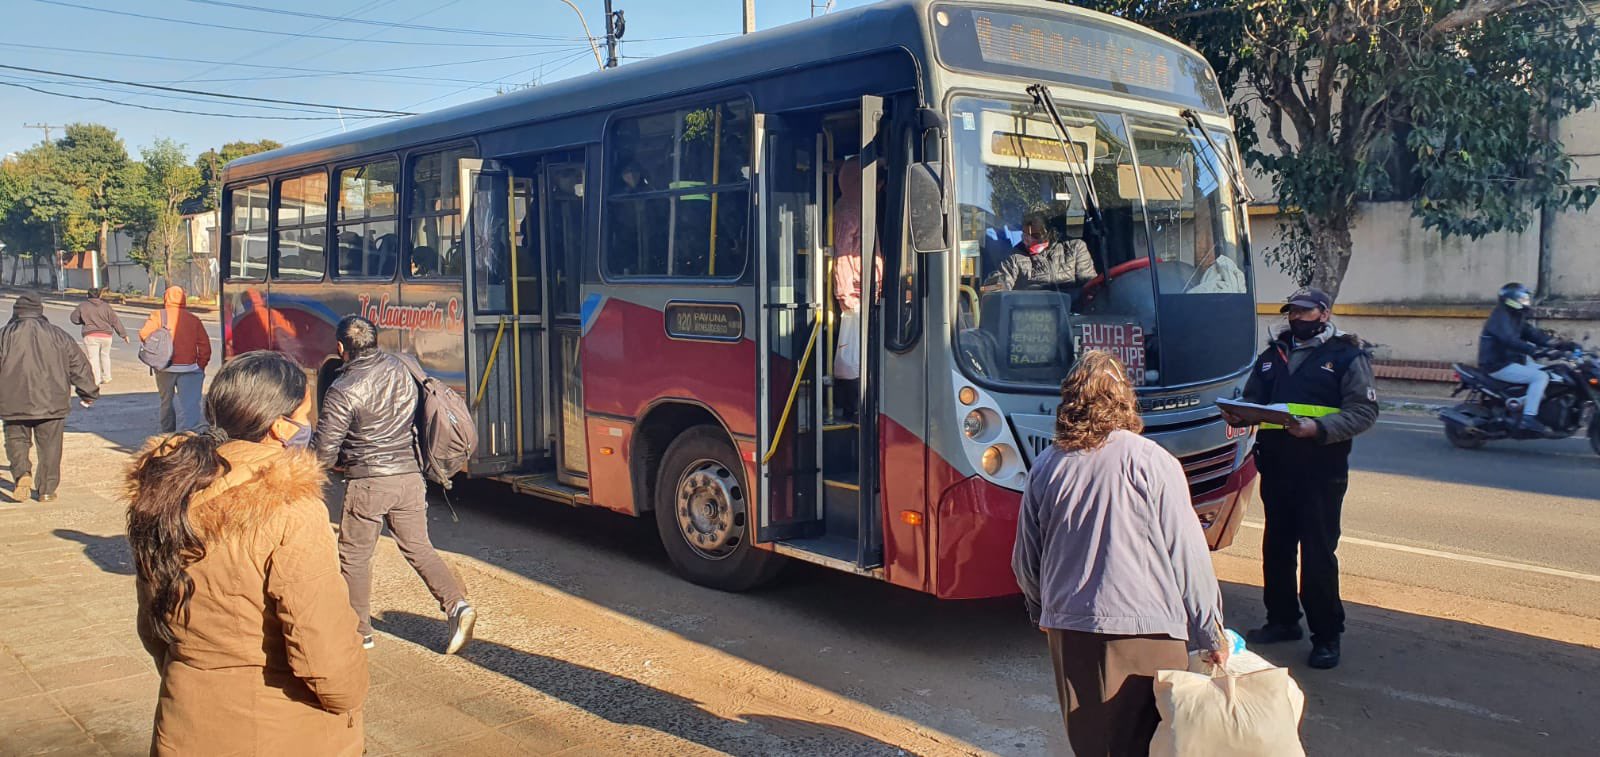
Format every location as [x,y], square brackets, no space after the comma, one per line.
[1452,685]
[125,419]
[109,553]
[627,702]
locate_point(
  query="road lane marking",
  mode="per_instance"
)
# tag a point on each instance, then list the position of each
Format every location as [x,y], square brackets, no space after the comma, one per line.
[1429,426]
[1458,557]
[1430,699]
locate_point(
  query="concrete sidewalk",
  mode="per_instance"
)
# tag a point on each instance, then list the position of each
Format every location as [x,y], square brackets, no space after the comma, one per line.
[74,679]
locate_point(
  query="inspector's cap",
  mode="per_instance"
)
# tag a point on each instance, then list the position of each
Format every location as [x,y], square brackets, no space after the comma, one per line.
[1308,298]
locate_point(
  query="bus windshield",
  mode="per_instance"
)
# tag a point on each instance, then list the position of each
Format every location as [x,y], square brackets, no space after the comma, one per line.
[1160,276]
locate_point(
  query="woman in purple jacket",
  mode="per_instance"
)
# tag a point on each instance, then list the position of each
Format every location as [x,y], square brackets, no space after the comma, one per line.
[1112,563]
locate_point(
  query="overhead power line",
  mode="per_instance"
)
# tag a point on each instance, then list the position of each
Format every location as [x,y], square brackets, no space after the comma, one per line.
[172,110]
[207,94]
[388,24]
[297,35]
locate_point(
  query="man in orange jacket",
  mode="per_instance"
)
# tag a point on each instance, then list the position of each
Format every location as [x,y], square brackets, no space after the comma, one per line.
[182,383]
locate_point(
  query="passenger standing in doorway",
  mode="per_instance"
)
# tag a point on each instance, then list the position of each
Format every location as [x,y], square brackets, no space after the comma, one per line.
[39,368]
[847,285]
[182,383]
[367,427]
[1112,563]
[99,322]
[1325,377]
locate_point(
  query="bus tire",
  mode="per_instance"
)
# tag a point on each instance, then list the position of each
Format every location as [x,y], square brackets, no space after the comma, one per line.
[703,514]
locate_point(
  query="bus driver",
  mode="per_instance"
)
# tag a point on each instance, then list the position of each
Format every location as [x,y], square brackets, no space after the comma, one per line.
[1044,259]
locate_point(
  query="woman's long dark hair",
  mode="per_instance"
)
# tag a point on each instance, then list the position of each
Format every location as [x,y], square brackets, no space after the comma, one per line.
[247,395]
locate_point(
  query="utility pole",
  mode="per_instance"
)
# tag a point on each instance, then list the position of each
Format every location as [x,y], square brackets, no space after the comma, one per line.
[749,16]
[615,26]
[47,128]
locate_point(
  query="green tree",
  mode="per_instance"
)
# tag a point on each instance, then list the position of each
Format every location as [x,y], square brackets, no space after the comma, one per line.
[1450,104]
[211,162]
[39,212]
[167,180]
[92,160]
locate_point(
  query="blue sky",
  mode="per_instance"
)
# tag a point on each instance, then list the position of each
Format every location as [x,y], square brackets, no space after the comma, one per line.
[286,55]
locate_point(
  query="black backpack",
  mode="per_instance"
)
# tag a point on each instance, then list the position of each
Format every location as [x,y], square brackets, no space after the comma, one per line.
[446,435]
[156,351]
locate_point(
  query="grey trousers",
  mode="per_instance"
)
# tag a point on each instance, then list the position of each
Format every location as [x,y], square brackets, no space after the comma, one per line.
[401,501]
[98,348]
[182,400]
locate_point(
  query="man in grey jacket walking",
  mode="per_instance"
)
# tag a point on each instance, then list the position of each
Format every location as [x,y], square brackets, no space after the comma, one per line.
[99,322]
[367,427]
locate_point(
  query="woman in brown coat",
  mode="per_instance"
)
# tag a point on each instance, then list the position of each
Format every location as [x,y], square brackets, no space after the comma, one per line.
[240,599]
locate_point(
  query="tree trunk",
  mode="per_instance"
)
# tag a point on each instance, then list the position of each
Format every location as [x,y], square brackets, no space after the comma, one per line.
[105,235]
[1331,238]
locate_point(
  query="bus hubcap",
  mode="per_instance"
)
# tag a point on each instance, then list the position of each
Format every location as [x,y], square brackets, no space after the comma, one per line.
[711,512]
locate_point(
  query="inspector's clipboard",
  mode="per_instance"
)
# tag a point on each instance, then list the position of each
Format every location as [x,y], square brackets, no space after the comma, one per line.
[1256,415]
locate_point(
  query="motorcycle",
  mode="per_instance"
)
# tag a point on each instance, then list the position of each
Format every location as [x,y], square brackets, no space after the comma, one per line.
[1493,407]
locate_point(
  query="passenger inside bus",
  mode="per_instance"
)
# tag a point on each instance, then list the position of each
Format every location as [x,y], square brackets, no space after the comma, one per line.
[847,281]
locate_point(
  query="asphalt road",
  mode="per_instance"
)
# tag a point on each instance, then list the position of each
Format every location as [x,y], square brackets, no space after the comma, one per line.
[1472,580]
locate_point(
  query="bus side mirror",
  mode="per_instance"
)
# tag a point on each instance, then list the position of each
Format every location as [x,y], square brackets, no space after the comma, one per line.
[925,195]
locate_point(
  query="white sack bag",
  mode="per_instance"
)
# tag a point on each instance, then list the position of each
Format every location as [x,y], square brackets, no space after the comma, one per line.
[1229,712]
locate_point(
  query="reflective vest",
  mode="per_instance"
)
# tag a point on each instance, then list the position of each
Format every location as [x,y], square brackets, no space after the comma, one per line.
[1313,391]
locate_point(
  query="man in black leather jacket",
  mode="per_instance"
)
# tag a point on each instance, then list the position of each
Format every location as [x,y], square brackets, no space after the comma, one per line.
[1506,348]
[367,427]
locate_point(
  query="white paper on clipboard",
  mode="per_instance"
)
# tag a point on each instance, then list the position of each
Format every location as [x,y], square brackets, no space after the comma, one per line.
[1255,414]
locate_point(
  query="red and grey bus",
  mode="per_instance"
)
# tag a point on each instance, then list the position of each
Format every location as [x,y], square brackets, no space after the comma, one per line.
[628,276]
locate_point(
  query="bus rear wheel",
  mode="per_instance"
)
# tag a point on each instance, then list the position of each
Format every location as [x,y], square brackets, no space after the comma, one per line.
[703,514]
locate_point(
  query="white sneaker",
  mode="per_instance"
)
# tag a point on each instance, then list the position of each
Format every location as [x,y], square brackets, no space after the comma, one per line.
[462,618]
[367,642]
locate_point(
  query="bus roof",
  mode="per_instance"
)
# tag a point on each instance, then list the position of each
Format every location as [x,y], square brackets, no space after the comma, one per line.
[881,26]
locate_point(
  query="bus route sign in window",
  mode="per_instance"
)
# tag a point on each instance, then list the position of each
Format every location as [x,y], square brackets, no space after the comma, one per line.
[1073,51]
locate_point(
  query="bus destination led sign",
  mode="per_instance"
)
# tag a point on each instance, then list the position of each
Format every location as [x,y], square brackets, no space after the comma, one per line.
[705,321]
[1077,50]
[1073,50]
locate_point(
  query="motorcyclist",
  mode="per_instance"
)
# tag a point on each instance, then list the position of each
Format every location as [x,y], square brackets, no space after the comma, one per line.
[1043,259]
[1507,346]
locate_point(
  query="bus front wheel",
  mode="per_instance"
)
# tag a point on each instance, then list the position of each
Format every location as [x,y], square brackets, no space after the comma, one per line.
[703,514]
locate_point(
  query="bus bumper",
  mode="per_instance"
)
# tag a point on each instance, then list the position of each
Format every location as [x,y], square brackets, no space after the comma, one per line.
[977,528]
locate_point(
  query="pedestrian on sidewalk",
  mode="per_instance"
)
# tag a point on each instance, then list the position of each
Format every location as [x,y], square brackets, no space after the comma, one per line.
[181,383]
[1325,377]
[40,366]
[240,601]
[1112,563]
[367,428]
[99,322]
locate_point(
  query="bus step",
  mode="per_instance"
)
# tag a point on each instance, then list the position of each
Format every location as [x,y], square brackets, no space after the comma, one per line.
[545,486]
[829,546]
[841,505]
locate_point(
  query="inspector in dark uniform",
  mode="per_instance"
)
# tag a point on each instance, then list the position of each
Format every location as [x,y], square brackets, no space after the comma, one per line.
[1325,377]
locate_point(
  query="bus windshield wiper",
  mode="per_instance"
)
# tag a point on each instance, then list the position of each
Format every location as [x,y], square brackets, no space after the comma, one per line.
[1078,166]
[1233,169]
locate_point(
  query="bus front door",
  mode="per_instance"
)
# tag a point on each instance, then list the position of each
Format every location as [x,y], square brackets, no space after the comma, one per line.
[504,327]
[817,461]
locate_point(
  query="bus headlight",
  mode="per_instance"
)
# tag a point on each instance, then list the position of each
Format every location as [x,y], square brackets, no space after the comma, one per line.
[993,458]
[974,424]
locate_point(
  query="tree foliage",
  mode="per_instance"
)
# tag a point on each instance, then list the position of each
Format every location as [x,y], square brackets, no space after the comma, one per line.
[210,164]
[1451,105]
[167,181]
[92,160]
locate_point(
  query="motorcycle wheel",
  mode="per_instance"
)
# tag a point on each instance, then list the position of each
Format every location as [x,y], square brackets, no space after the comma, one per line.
[1463,439]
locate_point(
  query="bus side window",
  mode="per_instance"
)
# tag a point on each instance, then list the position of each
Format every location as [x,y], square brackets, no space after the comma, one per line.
[433,214]
[247,232]
[300,239]
[366,217]
[678,205]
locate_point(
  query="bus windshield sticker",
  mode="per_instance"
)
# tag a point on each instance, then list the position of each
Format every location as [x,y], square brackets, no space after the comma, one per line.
[1125,340]
[705,321]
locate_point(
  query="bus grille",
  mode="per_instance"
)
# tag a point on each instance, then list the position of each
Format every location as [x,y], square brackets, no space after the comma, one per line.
[1208,471]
